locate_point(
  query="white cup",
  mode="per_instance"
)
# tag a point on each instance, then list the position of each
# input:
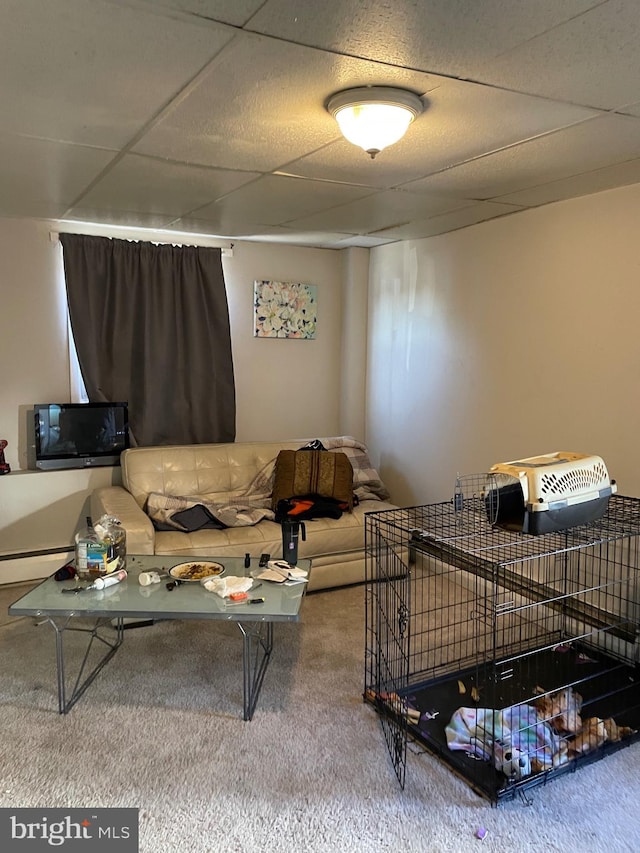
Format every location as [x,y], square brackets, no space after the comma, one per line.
[147,578]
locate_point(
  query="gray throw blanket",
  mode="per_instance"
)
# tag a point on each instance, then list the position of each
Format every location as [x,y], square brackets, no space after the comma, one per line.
[187,513]
[367,485]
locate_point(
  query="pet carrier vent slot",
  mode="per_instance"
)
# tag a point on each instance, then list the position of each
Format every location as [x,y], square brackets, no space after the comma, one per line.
[576,480]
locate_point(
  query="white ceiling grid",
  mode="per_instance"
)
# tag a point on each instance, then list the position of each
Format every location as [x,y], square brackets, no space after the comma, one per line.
[208,116]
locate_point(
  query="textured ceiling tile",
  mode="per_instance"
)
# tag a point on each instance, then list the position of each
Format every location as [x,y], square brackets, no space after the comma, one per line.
[590,182]
[592,59]
[441,36]
[236,12]
[632,110]
[122,218]
[256,232]
[363,241]
[380,211]
[214,103]
[577,149]
[449,221]
[275,200]
[144,184]
[461,121]
[51,173]
[269,113]
[94,73]
[467,119]
[293,237]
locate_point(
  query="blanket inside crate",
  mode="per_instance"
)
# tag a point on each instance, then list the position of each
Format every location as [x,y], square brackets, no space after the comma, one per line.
[477,731]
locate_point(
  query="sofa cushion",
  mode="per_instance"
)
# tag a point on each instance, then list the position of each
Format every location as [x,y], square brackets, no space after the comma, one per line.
[217,470]
[312,472]
[325,536]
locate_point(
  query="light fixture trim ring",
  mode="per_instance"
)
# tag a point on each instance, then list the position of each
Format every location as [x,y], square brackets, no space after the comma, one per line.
[390,95]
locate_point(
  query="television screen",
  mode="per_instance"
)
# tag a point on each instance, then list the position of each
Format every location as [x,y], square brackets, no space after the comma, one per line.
[80,435]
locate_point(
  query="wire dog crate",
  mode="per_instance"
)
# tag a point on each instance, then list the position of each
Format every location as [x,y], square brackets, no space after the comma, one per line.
[513,658]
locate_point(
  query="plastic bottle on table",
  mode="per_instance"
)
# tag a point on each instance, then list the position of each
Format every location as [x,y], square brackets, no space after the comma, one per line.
[92,555]
[109,580]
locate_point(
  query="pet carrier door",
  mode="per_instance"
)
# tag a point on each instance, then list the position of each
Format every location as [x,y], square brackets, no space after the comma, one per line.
[387,634]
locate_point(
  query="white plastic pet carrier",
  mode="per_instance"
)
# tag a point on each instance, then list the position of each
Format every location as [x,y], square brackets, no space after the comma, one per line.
[550,492]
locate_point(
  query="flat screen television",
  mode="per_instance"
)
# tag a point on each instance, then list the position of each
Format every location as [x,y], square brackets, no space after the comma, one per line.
[80,435]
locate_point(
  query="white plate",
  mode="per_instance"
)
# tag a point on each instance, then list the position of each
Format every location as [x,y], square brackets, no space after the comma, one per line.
[196,571]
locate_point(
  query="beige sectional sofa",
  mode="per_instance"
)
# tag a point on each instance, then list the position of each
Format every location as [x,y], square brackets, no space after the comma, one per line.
[226,474]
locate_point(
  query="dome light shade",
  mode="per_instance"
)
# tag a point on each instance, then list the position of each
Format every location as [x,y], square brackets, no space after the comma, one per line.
[374,117]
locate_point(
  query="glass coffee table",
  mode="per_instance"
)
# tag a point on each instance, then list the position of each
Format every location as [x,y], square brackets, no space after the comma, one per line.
[101,614]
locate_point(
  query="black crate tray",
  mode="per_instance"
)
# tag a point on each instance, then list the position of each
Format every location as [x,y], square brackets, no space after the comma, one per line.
[608,687]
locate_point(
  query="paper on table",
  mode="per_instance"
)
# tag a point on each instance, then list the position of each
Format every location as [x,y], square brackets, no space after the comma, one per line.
[280,571]
[271,575]
[290,572]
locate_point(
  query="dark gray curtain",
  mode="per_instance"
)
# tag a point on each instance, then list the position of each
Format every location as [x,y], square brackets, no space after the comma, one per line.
[151,327]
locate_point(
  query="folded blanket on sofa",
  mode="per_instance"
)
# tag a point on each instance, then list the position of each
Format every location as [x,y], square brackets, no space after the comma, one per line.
[367,485]
[187,513]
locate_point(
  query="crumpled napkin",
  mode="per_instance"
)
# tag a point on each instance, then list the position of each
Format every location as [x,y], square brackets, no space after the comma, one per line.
[225,586]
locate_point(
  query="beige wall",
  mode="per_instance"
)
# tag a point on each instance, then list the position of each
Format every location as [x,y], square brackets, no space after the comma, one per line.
[284,388]
[353,402]
[33,331]
[507,339]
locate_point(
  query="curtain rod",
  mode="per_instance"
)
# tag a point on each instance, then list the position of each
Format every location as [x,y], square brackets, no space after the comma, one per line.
[226,249]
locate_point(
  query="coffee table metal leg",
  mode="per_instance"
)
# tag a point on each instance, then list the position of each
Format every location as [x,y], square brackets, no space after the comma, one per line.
[256,650]
[64,704]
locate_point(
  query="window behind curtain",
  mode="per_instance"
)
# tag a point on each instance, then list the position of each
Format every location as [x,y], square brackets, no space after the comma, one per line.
[76,382]
[151,327]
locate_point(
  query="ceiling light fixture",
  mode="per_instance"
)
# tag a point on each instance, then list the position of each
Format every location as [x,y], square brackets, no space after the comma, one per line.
[374,117]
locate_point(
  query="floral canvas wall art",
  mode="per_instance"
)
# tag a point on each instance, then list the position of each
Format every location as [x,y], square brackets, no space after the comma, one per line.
[285,310]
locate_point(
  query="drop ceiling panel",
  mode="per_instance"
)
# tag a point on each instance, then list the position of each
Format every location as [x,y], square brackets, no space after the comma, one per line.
[44,175]
[155,186]
[261,105]
[292,237]
[590,182]
[471,215]
[275,200]
[465,120]
[94,73]
[577,149]
[260,233]
[592,59]
[443,36]
[366,241]
[461,121]
[236,12]
[208,115]
[120,218]
[382,210]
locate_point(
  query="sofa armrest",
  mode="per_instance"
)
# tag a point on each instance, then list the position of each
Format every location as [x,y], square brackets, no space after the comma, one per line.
[117,501]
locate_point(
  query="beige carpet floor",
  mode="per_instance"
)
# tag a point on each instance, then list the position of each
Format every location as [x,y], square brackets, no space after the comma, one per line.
[161,730]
